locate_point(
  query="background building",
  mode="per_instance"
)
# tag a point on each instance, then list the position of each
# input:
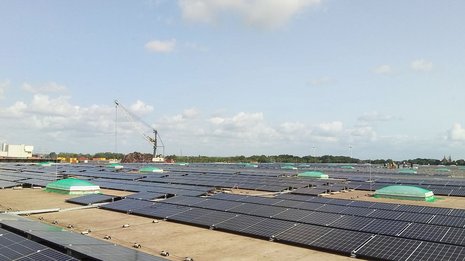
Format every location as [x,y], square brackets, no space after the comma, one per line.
[16,151]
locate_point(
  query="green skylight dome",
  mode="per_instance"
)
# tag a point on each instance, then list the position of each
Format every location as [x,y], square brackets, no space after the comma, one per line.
[289,167]
[405,192]
[45,164]
[347,167]
[407,171]
[72,186]
[151,169]
[115,166]
[313,174]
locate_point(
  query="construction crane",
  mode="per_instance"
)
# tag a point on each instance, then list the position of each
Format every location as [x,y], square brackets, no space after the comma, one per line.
[134,119]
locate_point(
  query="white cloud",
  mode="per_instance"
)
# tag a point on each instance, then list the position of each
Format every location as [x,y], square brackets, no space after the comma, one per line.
[456,133]
[51,87]
[383,69]
[293,127]
[328,131]
[14,111]
[139,107]
[3,86]
[374,116]
[320,81]
[262,13]
[364,133]
[159,46]
[190,113]
[43,104]
[421,65]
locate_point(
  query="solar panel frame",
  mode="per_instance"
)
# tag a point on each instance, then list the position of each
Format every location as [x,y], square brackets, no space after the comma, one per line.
[302,234]
[437,251]
[238,223]
[341,241]
[320,218]
[385,227]
[387,248]
[268,228]
[425,232]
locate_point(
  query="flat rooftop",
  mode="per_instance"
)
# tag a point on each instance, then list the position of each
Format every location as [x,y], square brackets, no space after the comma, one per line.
[228,212]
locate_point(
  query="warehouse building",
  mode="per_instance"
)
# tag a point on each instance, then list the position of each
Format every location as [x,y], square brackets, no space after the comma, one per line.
[16,151]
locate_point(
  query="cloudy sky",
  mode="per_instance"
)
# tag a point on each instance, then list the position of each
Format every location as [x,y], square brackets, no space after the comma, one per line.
[236,77]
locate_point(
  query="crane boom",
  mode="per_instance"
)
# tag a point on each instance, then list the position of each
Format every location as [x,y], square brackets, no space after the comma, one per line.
[134,119]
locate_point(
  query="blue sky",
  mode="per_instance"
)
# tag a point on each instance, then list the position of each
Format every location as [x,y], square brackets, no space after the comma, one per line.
[236,77]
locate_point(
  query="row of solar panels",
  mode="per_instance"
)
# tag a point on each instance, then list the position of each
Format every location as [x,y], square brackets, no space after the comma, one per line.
[343,234]
[15,245]
[375,220]
[218,179]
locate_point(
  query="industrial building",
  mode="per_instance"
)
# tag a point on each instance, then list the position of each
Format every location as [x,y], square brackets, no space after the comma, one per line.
[16,151]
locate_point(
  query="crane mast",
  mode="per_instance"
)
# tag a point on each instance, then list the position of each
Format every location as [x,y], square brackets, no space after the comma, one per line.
[153,140]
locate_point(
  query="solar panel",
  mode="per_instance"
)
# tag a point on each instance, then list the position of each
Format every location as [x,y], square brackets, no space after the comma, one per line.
[127,205]
[238,223]
[15,247]
[160,210]
[287,203]
[455,236]
[244,208]
[7,184]
[146,195]
[268,228]
[386,214]
[385,227]
[184,200]
[309,205]
[302,234]
[332,208]
[450,221]
[253,199]
[364,204]
[267,211]
[436,211]
[343,241]
[310,191]
[292,214]
[335,201]
[356,211]
[388,248]
[425,232]
[47,254]
[437,251]
[415,217]
[225,196]
[218,204]
[91,199]
[352,222]
[457,212]
[212,218]
[296,197]
[321,200]
[385,206]
[320,218]
[410,208]
[188,216]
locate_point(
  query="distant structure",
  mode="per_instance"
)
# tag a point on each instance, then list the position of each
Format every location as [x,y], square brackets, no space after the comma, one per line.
[16,151]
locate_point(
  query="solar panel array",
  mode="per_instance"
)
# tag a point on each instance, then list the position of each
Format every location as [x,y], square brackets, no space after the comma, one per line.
[15,246]
[362,229]
[340,232]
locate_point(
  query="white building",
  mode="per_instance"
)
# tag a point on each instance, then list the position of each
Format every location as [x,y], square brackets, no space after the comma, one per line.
[16,151]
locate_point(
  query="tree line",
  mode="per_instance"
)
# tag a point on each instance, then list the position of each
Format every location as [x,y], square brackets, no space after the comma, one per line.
[283,158]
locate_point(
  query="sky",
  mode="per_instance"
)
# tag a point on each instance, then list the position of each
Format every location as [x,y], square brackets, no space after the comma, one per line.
[368,79]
